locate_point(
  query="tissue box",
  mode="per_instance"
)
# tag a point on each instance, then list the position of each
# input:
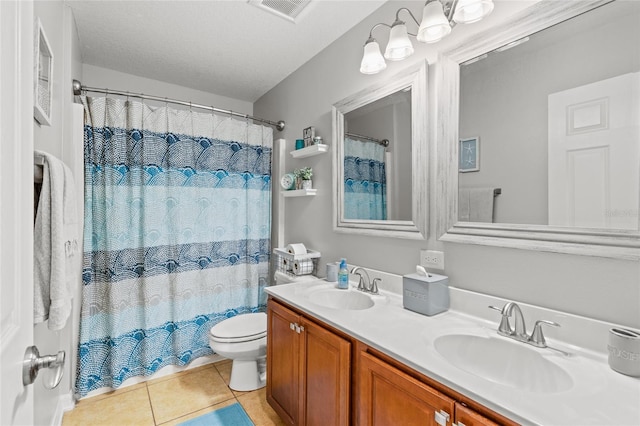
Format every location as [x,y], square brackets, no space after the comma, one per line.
[425,295]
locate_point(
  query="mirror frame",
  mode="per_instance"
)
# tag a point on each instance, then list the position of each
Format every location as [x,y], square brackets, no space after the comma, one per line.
[417,228]
[619,244]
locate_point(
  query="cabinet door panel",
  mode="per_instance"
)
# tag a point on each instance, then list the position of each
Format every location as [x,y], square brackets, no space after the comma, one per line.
[388,396]
[283,348]
[468,417]
[327,373]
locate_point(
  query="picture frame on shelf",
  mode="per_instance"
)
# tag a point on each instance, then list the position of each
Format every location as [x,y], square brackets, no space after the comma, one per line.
[469,155]
[308,134]
[43,77]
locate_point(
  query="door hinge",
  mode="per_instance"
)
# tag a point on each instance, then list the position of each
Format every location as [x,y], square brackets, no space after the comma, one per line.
[442,417]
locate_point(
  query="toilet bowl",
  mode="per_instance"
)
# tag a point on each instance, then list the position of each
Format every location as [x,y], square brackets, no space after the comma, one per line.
[243,339]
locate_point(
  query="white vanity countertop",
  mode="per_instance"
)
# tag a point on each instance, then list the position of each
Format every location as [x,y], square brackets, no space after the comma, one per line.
[598,395]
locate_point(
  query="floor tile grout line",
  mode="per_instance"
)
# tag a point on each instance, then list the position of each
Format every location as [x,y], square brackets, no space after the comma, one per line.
[171,376]
[101,397]
[153,414]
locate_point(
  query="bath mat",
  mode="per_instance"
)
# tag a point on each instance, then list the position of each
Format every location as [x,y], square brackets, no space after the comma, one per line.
[231,415]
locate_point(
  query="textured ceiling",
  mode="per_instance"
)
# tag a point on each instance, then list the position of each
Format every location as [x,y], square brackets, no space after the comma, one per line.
[229,48]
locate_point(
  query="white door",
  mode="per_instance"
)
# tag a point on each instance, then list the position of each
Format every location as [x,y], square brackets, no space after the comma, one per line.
[16,208]
[594,154]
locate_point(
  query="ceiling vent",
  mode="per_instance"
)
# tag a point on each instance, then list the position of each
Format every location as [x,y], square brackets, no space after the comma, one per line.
[287,9]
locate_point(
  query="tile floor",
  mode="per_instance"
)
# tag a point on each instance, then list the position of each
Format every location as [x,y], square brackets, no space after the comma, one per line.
[171,400]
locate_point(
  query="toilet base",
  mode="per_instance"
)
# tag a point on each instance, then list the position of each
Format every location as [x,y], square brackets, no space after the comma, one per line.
[248,375]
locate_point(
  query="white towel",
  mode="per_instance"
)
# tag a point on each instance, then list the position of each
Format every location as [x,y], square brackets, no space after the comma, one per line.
[55,244]
[476,205]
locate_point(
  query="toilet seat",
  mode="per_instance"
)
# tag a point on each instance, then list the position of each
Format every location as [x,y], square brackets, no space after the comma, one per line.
[241,328]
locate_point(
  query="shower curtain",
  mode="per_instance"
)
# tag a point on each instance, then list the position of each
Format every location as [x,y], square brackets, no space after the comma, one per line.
[176,238]
[365,191]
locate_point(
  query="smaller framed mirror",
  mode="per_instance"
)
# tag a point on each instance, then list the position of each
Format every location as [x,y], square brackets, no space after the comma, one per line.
[43,82]
[381,158]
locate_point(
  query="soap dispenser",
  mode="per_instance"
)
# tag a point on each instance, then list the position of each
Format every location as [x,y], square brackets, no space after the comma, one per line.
[343,275]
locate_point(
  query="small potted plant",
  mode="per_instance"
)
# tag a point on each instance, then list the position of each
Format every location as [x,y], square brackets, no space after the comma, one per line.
[303,176]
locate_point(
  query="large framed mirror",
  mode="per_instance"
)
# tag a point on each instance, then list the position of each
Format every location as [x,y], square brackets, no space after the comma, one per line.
[381,156]
[548,107]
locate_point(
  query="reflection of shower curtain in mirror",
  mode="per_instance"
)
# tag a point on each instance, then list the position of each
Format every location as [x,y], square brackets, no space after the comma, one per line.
[176,238]
[364,180]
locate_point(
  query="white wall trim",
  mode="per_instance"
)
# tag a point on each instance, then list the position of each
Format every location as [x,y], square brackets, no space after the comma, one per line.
[66,402]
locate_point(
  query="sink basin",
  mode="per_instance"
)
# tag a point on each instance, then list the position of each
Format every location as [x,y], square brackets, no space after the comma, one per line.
[512,364]
[341,299]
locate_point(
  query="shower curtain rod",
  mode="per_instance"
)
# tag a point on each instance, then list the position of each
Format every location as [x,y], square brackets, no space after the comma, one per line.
[383,142]
[78,88]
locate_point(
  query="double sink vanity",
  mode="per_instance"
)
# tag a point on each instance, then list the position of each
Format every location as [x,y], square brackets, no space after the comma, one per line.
[348,357]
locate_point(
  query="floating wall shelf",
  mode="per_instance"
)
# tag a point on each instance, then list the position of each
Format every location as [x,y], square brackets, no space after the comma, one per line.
[310,151]
[299,193]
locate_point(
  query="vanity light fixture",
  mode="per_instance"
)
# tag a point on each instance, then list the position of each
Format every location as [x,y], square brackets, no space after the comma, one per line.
[438,18]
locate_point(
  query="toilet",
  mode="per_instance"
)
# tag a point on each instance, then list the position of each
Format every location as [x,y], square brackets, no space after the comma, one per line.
[243,339]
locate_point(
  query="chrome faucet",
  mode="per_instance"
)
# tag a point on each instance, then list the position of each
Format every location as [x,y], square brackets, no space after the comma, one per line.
[369,287]
[520,331]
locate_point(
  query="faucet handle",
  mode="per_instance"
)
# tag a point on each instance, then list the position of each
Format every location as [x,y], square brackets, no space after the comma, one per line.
[504,328]
[374,285]
[360,280]
[537,338]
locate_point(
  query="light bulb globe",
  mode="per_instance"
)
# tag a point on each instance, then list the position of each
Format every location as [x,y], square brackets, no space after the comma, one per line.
[435,25]
[372,60]
[399,46]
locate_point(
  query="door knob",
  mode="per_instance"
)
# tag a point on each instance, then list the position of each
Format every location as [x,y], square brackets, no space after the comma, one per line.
[33,363]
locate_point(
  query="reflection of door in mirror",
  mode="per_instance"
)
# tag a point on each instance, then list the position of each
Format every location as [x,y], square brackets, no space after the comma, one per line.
[377,159]
[594,178]
[521,100]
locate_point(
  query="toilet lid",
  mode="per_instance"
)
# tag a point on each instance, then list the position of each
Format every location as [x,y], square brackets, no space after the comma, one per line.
[240,328]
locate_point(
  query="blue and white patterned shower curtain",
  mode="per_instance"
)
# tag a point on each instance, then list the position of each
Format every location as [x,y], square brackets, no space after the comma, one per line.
[365,191]
[176,237]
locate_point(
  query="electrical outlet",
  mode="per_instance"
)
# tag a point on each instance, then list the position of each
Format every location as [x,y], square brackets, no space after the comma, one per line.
[432,259]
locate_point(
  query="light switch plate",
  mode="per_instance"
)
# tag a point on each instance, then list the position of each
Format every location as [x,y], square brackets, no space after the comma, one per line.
[432,259]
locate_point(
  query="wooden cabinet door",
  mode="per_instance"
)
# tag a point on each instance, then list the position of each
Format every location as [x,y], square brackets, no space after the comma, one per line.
[465,416]
[283,366]
[388,396]
[326,374]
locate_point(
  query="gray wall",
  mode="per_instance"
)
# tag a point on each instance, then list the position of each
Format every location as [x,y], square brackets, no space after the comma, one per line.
[595,287]
[504,101]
